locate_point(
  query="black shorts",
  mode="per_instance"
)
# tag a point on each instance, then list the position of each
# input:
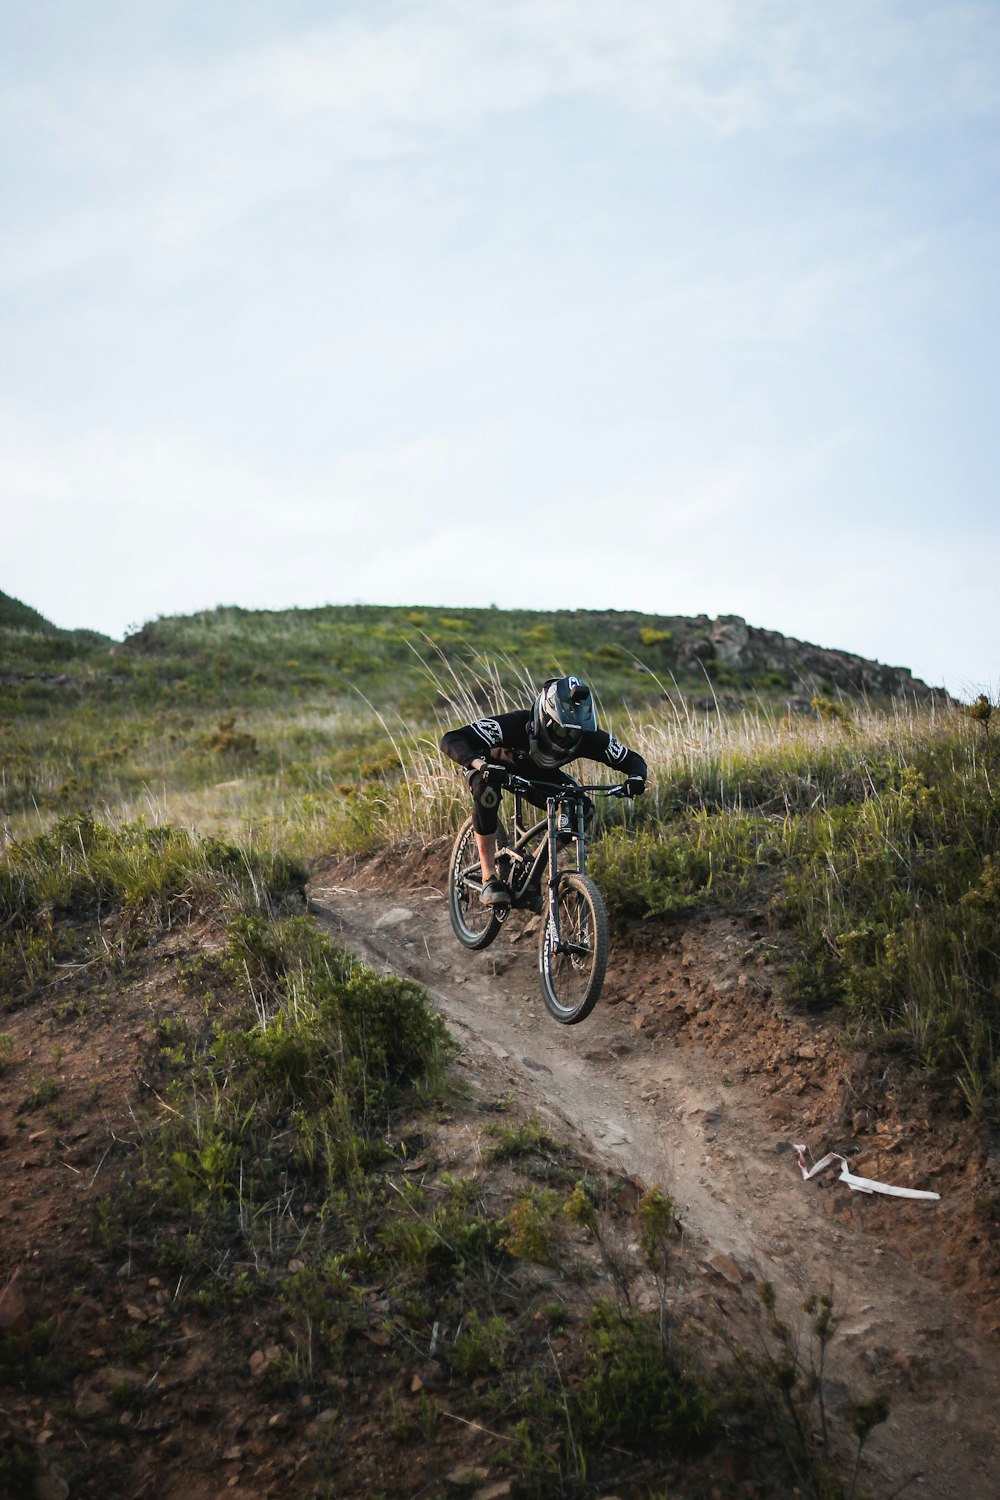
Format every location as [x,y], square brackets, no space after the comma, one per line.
[486,798]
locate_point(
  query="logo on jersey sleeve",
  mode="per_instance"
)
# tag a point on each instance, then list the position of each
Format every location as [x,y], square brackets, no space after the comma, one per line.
[488,730]
[616,749]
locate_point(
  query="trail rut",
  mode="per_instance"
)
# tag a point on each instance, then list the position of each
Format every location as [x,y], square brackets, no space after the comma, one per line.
[678,1116]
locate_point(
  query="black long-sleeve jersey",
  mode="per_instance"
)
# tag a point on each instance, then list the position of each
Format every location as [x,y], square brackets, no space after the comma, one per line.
[507,738]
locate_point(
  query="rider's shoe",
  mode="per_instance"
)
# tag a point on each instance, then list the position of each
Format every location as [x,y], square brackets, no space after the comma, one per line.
[495,893]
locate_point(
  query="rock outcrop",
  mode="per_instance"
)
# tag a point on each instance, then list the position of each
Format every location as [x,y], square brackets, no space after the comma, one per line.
[804,670]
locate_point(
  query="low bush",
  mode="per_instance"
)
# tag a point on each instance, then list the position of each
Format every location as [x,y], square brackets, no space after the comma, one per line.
[82,867]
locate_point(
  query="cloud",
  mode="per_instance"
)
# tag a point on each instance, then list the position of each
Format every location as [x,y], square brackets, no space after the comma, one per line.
[165,148]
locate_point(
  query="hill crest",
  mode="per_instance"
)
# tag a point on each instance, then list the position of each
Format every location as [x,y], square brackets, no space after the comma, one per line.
[393,652]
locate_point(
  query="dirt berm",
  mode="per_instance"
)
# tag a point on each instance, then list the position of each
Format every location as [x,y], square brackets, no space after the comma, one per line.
[690,1073]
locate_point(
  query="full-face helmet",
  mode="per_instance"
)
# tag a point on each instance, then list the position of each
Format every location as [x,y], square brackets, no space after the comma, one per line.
[562,715]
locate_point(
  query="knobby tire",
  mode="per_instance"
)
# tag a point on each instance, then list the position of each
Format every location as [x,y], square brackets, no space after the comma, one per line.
[474,925]
[571,981]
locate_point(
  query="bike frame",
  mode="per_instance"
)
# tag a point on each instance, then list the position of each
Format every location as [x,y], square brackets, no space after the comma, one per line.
[548,851]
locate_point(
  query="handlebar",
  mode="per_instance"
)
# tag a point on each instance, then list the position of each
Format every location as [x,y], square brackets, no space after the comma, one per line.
[518,783]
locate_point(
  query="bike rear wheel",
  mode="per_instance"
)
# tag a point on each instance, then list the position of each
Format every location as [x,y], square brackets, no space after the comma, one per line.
[572,974]
[474,925]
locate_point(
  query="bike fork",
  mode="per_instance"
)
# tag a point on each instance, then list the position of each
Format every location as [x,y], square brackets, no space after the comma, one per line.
[553,838]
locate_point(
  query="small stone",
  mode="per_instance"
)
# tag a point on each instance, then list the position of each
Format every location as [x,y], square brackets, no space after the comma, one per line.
[394,917]
[723,1265]
[320,1423]
[465,1476]
[261,1358]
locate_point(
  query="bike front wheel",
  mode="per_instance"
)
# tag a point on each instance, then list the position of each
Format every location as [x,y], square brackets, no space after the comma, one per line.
[474,925]
[571,968]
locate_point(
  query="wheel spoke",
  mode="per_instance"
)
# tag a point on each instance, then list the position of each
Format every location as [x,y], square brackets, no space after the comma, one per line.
[474,924]
[572,969]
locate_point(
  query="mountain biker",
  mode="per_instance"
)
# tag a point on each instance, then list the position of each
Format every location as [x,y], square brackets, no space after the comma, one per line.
[534,742]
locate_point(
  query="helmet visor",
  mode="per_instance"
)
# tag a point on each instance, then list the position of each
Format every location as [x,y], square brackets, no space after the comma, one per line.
[566,736]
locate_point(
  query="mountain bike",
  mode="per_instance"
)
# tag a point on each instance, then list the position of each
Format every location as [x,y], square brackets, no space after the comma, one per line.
[573,943]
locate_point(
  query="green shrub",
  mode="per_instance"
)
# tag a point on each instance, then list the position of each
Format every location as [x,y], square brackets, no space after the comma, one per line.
[667,870]
[637,1394]
[649,873]
[897,899]
[483,1345]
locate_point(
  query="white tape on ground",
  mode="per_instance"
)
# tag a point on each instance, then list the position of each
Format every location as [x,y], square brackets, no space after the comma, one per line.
[859,1184]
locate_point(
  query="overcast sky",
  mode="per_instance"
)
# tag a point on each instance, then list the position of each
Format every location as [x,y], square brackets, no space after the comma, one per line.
[675,305]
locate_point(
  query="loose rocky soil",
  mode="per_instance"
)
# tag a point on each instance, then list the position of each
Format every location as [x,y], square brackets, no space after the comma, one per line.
[692,1074]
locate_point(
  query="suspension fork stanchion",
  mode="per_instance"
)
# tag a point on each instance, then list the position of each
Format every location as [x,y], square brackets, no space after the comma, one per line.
[579,835]
[552,835]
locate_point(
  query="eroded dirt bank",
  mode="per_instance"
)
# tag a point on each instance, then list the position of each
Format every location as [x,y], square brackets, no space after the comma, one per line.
[689,1073]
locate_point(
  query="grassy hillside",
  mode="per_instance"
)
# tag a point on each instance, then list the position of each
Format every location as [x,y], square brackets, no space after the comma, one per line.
[235,717]
[872,833]
[403,656]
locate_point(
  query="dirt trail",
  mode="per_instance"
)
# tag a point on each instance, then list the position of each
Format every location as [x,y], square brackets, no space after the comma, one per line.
[676,1115]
